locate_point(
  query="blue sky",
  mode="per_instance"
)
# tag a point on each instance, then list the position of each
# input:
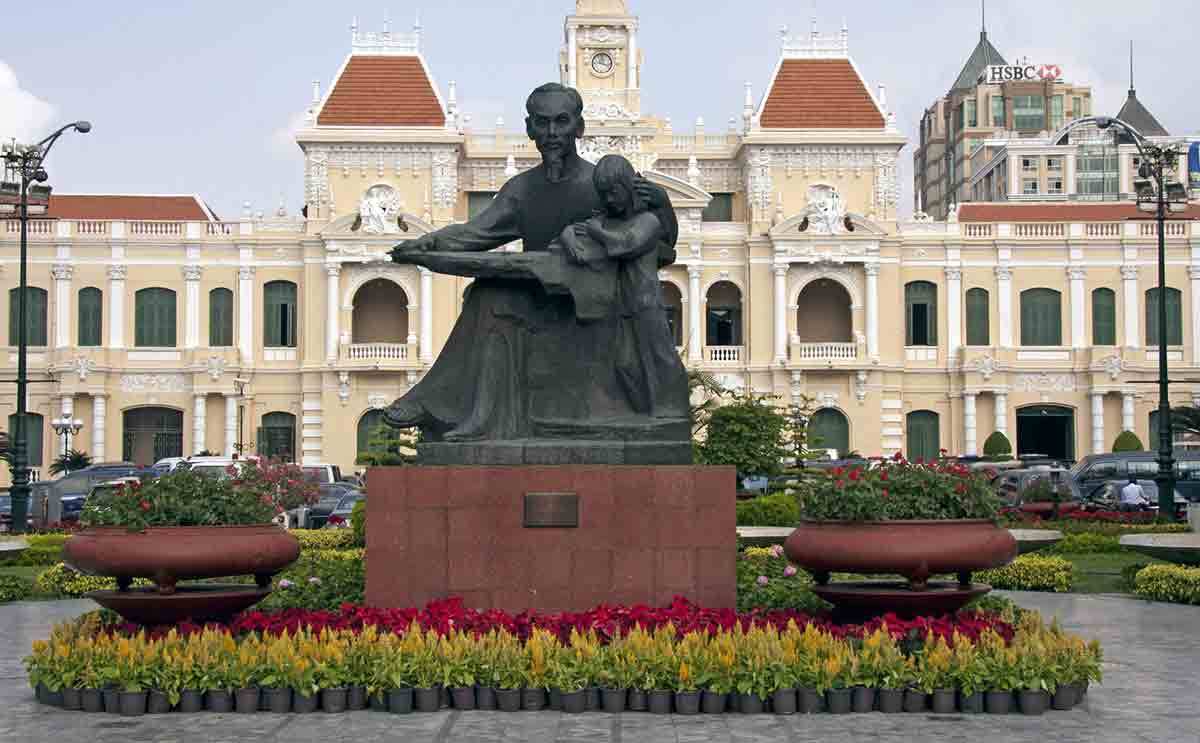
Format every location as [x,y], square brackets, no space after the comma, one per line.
[198,97]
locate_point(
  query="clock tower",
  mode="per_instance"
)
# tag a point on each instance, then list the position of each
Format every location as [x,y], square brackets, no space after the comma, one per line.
[601,59]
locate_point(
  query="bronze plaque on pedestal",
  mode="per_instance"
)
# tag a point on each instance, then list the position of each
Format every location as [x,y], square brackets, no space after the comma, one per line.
[552,510]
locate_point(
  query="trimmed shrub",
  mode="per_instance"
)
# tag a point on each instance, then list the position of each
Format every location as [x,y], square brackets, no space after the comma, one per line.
[1172,583]
[320,579]
[14,588]
[1129,575]
[1087,543]
[1127,441]
[32,557]
[777,509]
[60,580]
[997,446]
[1031,573]
[358,523]
[765,580]
[324,539]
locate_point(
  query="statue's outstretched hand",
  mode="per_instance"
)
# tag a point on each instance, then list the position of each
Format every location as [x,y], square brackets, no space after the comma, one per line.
[569,239]
[410,250]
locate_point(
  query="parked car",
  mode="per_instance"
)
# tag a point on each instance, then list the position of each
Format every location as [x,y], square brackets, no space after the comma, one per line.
[62,499]
[165,466]
[1107,497]
[5,512]
[212,466]
[322,474]
[1097,469]
[339,518]
[1012,484]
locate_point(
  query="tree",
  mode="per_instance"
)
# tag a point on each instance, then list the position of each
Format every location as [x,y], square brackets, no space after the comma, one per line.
[997,446]
[1127,441]
[796,434]
[705,393]
[72,461]
[389,447]
[1186,420]
[749,433]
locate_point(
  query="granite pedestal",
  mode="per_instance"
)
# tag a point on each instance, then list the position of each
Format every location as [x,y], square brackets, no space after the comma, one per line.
[644,535]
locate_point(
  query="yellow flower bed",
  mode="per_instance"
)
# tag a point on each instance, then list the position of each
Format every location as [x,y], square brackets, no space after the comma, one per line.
[1174,583]
[1031,573]
[324,539]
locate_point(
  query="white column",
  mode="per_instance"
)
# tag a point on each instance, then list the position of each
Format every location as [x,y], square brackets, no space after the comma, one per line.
[695,315]
[1194,274]
[231,432]
[1129,289]
[425,341]
[970,439]
[68,411]
[632,81]
[99,408]
[333,308]
[781,334]
[191,277]
[1004,305]
[1002,413]
[872,271]
[1078,334]
[199,423]
[116,306]
[246,314]
[1098,423]
[1127,423]
[62,304]
[954,311]
[572,52]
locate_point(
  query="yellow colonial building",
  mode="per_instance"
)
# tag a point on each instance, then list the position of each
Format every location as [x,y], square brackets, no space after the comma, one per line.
[167,331]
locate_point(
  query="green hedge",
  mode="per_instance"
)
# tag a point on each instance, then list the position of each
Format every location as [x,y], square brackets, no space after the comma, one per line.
[324,539]
[14,588]
[320,579]
[60,580]
[1086,543]
[44,549]
[778,509]
[1172,583]
[778,591]
[358,523]
[1031,573]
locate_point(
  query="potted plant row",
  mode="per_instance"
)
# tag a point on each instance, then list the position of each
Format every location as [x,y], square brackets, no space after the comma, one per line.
[85,666]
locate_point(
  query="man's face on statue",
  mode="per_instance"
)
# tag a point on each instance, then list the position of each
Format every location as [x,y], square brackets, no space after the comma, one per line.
[553,125]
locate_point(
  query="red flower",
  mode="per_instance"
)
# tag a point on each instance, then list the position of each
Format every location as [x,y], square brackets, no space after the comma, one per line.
[960,488]
[883,475]
[885,494]
[144,505]
[837,471]
[898,457]
[854,474]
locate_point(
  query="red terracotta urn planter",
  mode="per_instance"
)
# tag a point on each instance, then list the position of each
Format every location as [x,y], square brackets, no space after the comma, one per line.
[914,549]
[166,554]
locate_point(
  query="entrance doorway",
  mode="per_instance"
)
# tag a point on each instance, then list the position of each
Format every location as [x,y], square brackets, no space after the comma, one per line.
[151,434]
[1046,430]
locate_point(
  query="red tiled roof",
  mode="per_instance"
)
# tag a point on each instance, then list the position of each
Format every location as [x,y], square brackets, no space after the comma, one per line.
[135,208]
[1062,212]
[382,91]
[819,94]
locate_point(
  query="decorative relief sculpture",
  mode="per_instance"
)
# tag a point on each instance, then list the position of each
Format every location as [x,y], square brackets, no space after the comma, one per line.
[379,209]
[153,383]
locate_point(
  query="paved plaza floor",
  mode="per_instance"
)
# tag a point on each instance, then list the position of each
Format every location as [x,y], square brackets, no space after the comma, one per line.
[1152,682]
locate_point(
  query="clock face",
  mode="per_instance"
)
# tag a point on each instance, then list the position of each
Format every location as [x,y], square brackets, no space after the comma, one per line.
[602,63]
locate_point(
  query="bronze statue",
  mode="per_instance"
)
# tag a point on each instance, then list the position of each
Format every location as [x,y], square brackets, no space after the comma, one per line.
[567,341]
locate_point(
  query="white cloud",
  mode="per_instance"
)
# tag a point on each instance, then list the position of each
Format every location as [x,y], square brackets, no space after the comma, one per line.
[282,142]
[23,115]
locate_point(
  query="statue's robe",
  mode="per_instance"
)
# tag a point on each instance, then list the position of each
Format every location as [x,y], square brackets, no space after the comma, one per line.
[520,363]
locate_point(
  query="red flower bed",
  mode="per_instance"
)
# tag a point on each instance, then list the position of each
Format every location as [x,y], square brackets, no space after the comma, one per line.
[607,621]
[1109,517]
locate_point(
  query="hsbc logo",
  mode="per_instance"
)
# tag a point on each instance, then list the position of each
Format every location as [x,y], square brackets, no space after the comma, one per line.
[999,73]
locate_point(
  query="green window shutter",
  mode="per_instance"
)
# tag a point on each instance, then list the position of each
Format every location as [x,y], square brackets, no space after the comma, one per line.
[829,429]
[279,314]
[922,435]
[220,318]
[154,318]
[1174,300]
[977,318]
[1104,317]
[35,316]
[1041,317]
[271,335]
[920,313]
[91,316]
[13,332]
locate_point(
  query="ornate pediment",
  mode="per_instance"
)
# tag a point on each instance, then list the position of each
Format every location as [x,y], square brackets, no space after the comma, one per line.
[683,194]
[340,237]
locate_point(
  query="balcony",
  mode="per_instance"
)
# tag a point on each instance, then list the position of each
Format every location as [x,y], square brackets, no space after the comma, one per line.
[823,352]
[379,355]
[724,354]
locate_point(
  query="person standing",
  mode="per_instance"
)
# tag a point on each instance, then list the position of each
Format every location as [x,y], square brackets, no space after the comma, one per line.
[1133,496]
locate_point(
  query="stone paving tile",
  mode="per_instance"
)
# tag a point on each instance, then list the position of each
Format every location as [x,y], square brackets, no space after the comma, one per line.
[1152,681]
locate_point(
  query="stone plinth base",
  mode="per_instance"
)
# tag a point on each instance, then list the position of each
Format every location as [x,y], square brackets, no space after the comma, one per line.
[645,535]
[555,452]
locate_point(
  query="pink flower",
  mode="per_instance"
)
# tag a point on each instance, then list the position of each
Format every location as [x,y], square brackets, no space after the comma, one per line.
[789,571]
[285,583]
[314,581]
[762,580]
[776,550]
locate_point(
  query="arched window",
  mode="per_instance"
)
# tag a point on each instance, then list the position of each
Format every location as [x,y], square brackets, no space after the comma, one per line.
[829,429]
[220,318]
[724,316]
[920,314]
[35,316]
[154,318]
[91,316]
[380,313]
[1104,317]
[32,433]
[673,307]
[1041,317]
[277,436]
[1174,317]
[923,435]
[824,314]
[279,314]
[977,318]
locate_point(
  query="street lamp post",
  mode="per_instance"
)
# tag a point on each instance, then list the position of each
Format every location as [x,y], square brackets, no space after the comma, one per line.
[66,426]
[27,163]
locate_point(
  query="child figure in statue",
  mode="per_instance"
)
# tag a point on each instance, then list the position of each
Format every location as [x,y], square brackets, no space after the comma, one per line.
[648,366]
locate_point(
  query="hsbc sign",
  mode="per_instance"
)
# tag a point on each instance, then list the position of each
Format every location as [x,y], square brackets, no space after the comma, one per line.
[1007,73]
